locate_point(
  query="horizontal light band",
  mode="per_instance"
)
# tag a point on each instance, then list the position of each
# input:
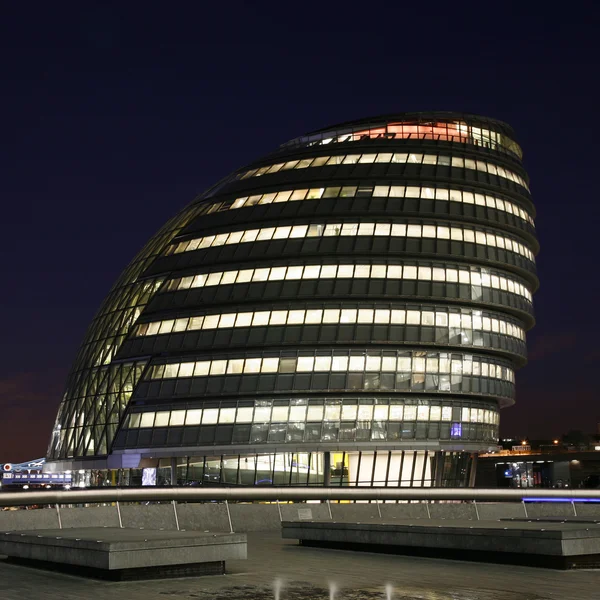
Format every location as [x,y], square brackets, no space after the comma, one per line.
[393,158]
[464,322]
[299,413]
[472,276]
[377,191]
[284,232]
[417,362]
[458,131]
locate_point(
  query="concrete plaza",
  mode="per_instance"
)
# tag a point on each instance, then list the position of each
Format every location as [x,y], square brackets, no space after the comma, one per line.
[306,573]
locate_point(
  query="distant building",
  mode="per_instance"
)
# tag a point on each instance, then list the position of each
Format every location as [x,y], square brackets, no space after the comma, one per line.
[544,466]
[349,308]
[30,475]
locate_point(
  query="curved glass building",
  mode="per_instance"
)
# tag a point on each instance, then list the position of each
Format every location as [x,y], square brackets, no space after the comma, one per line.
[348,310]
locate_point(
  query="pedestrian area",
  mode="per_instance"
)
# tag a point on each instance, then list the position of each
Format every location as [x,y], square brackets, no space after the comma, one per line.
[297,573]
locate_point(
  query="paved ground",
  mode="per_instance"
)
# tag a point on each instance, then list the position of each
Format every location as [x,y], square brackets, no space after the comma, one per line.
[305,573]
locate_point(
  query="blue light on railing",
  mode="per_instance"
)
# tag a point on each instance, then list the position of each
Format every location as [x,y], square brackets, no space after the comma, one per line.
[561,500]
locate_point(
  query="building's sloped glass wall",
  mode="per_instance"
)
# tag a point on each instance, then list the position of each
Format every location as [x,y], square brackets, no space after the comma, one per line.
[98,389]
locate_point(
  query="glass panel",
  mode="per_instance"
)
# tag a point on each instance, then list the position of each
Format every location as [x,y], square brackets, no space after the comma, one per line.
[244,414]
[210,416]
[147,419]
[193,417]
[315,413]
[177,417]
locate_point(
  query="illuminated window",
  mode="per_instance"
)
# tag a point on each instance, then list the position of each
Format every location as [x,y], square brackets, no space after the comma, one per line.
[352,229]
[417,362]
[415,158]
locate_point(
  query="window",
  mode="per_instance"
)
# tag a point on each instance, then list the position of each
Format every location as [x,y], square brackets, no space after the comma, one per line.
[244,415]
[475,276]
[227,415]
[210,416]
[262,414]
[315,413]
[297,413]
[349,412]
[415,362]
[280,414]
[332,413]
[147,419]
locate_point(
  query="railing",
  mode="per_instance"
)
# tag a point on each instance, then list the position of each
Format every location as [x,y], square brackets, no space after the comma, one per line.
[284,494]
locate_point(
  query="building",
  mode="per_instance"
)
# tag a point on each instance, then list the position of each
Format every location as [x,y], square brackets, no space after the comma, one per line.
[547,466]
[350,308]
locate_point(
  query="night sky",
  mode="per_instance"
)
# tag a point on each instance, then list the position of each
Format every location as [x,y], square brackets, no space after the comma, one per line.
[114,117]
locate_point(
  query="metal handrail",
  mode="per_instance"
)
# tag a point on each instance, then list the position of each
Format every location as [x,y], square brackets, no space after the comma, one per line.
[254,494]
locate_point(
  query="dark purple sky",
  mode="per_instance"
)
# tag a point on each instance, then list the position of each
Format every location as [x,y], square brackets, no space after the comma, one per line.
[114,117]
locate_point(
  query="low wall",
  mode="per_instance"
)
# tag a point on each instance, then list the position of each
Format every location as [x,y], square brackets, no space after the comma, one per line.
[215,516]
[99,516]
[208,516]
[16,520]
[255,517]
[150,516]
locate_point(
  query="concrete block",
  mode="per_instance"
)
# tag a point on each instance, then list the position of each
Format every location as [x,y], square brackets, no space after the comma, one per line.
[414,510]
[148,516]
[255,517]
[452,510]
[91,516]
[588,509]
[204,516]
[520,538]
[23,520]
[113,549]
[549,509]
[354,512]
[305,512]
[492,511]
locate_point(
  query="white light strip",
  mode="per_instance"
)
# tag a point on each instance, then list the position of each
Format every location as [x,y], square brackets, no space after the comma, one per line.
[418,362]
[377,191]
[307,413]
[465,322]
[472,276]
[393,158]
[284,232]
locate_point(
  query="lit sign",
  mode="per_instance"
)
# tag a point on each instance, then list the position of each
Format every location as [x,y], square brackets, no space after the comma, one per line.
[148,476]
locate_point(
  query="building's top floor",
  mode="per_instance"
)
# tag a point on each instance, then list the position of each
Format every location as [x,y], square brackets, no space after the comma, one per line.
[436,125]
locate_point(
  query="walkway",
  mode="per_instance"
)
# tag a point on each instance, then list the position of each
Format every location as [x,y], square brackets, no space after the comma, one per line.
[306,573]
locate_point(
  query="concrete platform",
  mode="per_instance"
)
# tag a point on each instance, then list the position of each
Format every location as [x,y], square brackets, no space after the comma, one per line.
[119,554]
[545,544]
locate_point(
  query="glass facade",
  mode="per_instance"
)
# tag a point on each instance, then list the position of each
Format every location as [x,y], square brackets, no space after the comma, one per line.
[362,468]
[396,158]
[398,192]
[349,310]
[316,230]
[306,469]
[420,126]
